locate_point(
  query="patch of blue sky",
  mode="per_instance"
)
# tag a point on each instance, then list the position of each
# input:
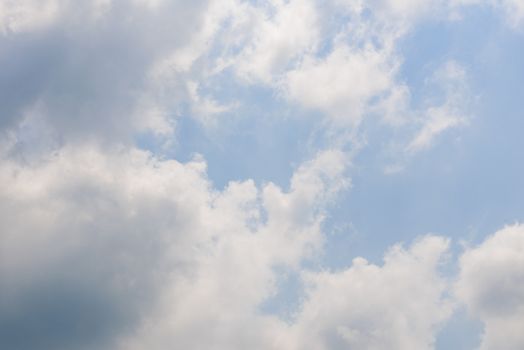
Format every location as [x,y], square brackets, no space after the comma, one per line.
[287,300]
[459,333]
[261,138]
[469,183]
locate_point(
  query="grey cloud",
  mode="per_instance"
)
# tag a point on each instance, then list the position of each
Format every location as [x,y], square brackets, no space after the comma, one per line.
[57,313]
[84,74]
[80,260]
[27,63]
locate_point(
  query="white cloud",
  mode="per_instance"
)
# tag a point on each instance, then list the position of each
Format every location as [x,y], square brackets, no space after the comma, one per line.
[216,305]
[346,71]
[439,119]
[514,9]
[160,257]
[491,284]
[126,250]
[279,39]
[342,84]
[136,234]
[450,111]
[399,305]
[446,104]
[204,108]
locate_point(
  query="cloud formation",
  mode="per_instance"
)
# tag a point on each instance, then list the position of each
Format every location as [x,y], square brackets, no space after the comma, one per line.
[93,241]
[491,285]
[85,71]
[399,305]
[108,243]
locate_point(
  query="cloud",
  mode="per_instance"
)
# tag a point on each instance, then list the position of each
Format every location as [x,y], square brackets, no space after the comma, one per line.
[86,71]
[491,284]
[84,244]
[106,246]
[399,305]
[279,39]
[340,59]
[109,70]
[119,249]
[342,84]
[514,9]
[203,108]
[122,250]
[96,243]
[336,69]
[450,112]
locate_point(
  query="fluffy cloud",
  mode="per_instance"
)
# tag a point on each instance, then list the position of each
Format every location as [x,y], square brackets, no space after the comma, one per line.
[84,243]
[94,242]
[122,250]
[280,39]
[356,307]
[491,284]
[106,246]
[333,68]
[342,60]
[399,305]
[342,84]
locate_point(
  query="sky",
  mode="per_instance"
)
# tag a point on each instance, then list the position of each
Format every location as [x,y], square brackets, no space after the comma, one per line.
[278,174]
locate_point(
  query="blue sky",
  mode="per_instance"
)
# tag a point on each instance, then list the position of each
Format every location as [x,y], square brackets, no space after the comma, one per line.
[272,174]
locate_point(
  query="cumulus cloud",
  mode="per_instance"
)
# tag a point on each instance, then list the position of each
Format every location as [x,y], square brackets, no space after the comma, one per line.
[399,305]
[342,84]
[355,307]
[491,284]
[340,59]
[85,236]
[279,39]
[123,250]
[106,246]
[93,243]
[334,69]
